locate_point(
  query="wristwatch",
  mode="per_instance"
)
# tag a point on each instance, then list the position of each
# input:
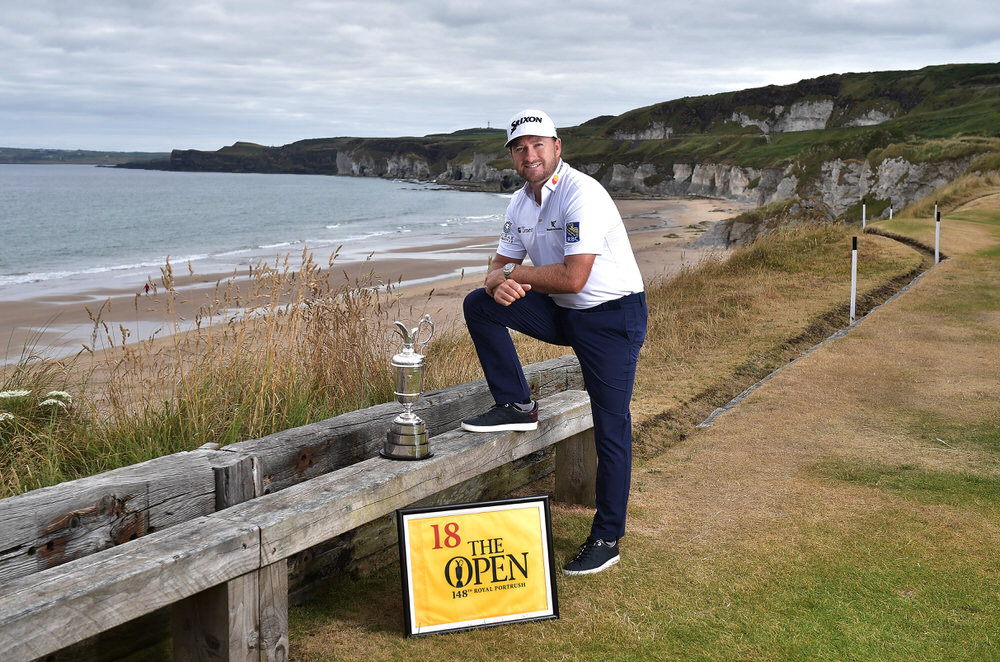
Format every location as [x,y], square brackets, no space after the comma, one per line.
[508,269]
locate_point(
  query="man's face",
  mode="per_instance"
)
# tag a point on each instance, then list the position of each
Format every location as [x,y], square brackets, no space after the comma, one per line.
[536,157]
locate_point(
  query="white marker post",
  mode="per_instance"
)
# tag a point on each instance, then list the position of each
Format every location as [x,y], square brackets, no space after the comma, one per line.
[890,209]
[864,213]
[854,277]
[937,236]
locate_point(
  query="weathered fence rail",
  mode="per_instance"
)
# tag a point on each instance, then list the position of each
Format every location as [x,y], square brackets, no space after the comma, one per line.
[211,534]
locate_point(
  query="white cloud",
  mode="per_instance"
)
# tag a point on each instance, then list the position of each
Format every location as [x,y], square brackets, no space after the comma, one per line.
[115,74]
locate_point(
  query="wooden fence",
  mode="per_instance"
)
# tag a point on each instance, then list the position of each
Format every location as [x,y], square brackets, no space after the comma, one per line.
[211,541]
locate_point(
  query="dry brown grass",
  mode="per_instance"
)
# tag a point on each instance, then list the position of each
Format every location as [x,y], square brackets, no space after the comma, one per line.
[288,343]
[722,326]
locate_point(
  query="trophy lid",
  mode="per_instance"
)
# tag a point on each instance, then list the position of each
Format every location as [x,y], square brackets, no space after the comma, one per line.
[408,357]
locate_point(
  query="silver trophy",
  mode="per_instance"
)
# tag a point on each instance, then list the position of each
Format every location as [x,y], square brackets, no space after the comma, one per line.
[407,437]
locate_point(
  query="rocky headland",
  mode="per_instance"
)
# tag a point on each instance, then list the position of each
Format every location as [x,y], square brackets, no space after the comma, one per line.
[821,148]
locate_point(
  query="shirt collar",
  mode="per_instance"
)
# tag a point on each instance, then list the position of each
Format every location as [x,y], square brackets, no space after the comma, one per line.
[557,175]
[549,185]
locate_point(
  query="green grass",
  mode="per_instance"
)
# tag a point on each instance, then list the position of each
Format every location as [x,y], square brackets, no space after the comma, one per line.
[882,587]
[955,488]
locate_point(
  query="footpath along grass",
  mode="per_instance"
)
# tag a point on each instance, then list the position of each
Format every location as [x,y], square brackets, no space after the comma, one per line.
[847,509]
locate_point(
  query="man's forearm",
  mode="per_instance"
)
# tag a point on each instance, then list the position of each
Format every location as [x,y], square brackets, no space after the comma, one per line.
[557,278]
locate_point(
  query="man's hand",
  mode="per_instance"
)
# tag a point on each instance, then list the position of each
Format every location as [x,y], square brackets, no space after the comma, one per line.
[509,291]
[504,291]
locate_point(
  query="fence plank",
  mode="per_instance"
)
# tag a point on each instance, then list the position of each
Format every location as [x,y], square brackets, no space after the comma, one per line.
[44,528]
[361,550]
[184,487]
[293,456]
[55,608]
[50,526]
[307,514]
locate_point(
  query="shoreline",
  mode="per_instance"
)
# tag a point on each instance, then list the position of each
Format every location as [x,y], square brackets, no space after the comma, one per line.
[430,279]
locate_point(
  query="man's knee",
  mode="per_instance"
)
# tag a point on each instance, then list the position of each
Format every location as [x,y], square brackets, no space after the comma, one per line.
[473,300]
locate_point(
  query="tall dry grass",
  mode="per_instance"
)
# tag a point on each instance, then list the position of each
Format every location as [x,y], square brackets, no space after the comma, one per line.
[293,342]
[285,344]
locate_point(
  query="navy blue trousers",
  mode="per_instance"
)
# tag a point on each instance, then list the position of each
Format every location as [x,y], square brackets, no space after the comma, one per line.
[606,340]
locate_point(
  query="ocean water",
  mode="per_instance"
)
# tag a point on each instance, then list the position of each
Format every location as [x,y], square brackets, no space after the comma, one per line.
[74,227]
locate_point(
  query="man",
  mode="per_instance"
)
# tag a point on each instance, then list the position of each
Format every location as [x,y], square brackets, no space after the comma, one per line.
[583,289]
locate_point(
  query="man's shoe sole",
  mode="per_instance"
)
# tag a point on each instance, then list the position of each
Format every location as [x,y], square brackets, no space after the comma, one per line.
[512,427]
[607,564]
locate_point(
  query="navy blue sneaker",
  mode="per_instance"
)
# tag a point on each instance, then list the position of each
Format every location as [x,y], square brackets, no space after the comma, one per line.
[503,417]
[595,555]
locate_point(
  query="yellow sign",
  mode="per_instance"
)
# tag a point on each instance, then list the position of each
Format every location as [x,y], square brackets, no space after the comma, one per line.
[475,565]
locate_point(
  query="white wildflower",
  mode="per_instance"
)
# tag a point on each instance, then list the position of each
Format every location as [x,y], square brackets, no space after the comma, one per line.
[52,402]
[6,416]
[15,393]
[60,395]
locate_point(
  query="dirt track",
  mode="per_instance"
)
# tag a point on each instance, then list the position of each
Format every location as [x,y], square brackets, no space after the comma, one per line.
[858,398]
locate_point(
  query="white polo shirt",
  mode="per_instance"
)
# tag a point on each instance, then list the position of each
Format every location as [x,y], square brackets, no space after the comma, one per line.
[577,216]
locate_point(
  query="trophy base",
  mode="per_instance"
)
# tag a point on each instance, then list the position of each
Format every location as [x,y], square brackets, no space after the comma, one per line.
[389,455]
[407,442]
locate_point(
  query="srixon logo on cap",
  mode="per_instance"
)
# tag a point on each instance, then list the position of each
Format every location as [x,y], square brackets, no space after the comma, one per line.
[521,120]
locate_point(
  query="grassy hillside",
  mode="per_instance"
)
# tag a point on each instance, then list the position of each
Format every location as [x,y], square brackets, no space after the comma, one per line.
[948,113]
[951,103]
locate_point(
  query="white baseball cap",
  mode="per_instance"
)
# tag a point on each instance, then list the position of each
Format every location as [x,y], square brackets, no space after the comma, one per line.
[530,122]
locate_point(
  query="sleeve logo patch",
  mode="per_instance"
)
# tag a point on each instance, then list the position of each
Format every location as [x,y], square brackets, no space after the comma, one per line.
[572,232]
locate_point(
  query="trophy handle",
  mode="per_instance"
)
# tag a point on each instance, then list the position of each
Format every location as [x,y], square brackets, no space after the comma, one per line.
[426,319]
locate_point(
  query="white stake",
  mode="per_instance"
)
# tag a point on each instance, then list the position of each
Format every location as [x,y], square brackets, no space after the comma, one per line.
[854,276]
[937,236]
[864,213]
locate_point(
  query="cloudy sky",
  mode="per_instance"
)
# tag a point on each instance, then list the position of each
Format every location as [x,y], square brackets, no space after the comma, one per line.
[201,74]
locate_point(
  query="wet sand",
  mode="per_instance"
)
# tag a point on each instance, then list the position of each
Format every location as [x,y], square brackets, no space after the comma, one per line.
[58,321]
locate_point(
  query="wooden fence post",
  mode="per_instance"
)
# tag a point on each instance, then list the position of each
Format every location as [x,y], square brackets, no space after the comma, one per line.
[273,582]
[576,470]
[245,619]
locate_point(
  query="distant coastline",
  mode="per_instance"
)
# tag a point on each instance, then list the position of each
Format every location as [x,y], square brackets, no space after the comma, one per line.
[28,156]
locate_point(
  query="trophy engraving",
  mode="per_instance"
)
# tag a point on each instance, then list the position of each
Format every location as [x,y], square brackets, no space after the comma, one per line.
[407,436]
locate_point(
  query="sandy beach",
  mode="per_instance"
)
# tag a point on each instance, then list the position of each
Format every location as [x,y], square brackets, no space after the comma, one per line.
[662,232]
[57,322]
